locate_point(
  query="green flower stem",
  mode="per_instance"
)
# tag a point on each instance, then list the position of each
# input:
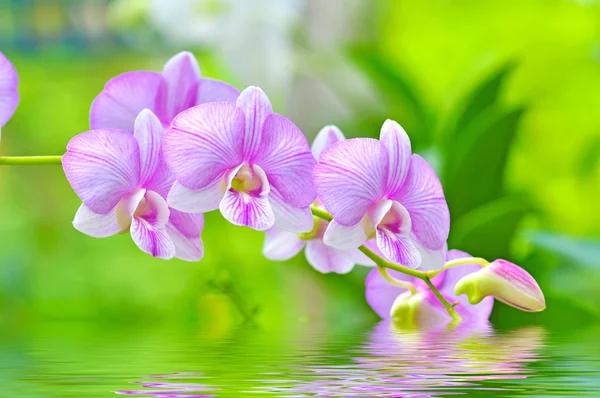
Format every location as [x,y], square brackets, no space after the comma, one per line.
[397,282]
[30,160]
[383,263]
[460,261]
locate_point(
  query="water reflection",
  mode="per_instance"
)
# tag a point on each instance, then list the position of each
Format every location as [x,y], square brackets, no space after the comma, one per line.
[171,389]
[390,361]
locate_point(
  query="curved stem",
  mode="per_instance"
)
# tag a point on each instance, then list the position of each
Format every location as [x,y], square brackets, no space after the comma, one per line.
[449,307]
[383,263]
[30,160]
[403,284]
[460,261]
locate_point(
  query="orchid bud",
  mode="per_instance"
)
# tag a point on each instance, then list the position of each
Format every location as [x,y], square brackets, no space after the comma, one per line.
[405,307]
[412,309]
[505,281]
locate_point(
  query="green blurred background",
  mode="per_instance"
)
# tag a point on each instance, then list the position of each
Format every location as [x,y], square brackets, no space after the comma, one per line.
[502,97]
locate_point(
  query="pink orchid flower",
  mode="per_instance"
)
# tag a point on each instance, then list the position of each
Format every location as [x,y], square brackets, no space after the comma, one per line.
[123,181]
[252,164]
[387,299]
[282,245]
[378,189]
[9,94]
[176,89]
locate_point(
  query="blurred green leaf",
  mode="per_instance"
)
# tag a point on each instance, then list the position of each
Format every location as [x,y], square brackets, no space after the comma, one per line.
[581,251]
[474,169]
[483,97]
[401,99]
[488,230]
[590,158]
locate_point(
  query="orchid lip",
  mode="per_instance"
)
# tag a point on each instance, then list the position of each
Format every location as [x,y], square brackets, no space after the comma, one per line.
[137,204]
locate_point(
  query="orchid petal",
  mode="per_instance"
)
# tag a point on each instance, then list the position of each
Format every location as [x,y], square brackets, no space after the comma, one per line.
[281,245]
[102,166]
[127,207]
[251,209]
[256,107]
[96,225]
[326,137]
[9,94]
[123,98]
[392,223]
[423,197]
[359,257]
[211,90]
[381,294]
[285,157]
[197,201]
[148,131]
[344,237]
[326,259]
[397,143]
[184,230]
[148,230]
[430,259]
[288,217]
[397,248]
[182,75]
[350,177]
[204,142]
[152,240]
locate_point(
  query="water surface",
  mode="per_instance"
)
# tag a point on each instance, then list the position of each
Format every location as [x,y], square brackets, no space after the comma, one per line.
[75,360]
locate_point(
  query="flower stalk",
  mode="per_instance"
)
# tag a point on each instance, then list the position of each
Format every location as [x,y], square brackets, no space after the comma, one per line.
[383,263]
[30,160]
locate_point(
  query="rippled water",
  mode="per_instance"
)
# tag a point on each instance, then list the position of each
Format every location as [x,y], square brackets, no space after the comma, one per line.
[66,360]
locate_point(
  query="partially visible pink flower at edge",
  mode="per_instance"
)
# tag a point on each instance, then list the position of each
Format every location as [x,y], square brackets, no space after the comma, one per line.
[252,164]
[282,245]
[123,181]
[166,94]
[9,94]
[381,294]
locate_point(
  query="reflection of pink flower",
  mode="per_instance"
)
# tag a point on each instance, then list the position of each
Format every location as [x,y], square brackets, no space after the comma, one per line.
[381,295]
[123,181]
[282,245]
[166,94]
[9,95]
[378,188]
[252,164]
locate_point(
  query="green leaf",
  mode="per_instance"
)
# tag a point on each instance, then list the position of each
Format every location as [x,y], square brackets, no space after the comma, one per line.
[482,98]
[488,230]
[400,98]
[590,158]
[474,170]
[585,252]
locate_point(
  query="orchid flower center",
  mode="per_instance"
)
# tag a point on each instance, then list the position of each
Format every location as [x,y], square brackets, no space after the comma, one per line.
[319,225]
[142,204]
[389,216]
[246,180]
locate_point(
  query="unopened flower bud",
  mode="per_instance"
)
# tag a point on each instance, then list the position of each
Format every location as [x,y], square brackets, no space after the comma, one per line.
[405,307]
[506,282]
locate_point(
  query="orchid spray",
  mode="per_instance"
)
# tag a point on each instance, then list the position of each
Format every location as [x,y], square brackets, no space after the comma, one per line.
[164,148]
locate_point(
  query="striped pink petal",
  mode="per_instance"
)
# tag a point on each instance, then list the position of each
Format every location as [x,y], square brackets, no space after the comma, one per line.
[9,94]
[102,166]
[350,177]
